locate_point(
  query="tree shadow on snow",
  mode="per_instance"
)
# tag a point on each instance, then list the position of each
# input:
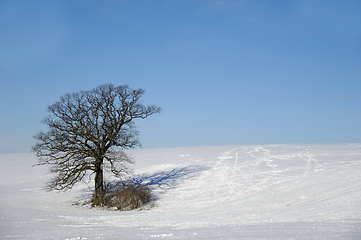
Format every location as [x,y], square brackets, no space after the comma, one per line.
[168,179]
[160,180]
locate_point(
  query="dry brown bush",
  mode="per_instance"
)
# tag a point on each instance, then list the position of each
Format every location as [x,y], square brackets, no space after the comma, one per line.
[127,196]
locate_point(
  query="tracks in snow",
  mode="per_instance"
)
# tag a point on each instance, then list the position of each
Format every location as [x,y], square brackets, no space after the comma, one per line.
[259,182]
[254,168]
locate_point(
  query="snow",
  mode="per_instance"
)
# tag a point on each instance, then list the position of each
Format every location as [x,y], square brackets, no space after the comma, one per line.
[212,192]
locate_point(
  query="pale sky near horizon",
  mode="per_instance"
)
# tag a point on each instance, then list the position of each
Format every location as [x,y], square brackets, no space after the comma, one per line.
[224,71]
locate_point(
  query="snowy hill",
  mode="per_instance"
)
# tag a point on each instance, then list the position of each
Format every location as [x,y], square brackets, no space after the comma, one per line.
[213,192]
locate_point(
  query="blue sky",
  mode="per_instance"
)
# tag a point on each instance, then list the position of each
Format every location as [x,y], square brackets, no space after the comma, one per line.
[224,72]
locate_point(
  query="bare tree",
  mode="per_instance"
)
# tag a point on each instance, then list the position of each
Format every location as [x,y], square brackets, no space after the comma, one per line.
[87,129]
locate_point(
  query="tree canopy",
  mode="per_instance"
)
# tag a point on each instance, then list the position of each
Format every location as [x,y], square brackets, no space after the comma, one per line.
[88,127]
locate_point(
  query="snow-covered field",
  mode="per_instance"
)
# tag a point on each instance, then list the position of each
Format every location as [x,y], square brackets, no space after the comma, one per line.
[213,192]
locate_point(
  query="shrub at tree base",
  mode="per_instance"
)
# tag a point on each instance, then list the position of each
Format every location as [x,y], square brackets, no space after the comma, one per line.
[126,196]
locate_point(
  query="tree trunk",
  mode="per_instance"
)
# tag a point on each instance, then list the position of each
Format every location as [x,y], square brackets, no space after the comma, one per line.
[99,190]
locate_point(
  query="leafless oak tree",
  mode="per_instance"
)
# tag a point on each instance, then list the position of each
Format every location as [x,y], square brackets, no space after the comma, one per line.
[87,129]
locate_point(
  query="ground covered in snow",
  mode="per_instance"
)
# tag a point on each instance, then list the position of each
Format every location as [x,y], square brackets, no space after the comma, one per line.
[213,192]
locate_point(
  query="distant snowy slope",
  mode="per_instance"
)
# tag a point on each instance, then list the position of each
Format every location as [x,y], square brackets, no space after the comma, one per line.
[212,192]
